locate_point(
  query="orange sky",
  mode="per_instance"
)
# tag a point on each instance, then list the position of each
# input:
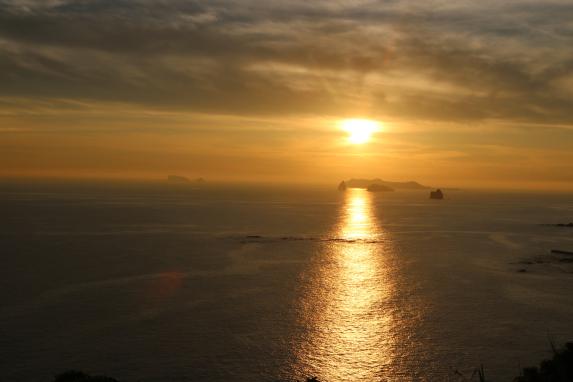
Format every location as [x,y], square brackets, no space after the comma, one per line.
[468,94]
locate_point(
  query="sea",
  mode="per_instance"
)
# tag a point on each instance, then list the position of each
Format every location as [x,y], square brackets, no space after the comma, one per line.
[156,282]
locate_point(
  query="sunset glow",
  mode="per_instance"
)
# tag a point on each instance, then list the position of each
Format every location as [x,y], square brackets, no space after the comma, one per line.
[360,130]
[139,90]
[254,190]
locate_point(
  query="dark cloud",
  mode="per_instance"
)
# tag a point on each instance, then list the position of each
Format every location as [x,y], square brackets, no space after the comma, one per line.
[474,61]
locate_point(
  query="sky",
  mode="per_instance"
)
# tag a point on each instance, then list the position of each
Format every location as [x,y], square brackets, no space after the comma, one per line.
[467,93]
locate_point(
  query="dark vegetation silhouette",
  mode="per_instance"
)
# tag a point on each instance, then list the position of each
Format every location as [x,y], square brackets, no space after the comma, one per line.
[557,369]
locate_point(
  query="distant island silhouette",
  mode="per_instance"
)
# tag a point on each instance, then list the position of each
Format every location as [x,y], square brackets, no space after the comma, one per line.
[375,187]
[181,179]
[177,179]
[378,185]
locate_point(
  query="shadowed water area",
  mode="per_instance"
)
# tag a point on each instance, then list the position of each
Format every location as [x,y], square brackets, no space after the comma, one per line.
[162,283]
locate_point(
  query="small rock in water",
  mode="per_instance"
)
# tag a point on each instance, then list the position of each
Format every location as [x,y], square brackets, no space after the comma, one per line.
[438,194]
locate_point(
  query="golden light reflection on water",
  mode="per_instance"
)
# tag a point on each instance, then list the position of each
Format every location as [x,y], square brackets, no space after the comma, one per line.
[350,332]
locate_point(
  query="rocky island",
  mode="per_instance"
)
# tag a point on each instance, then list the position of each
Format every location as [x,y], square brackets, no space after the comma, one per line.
[438,194]
[365,183]
[379,185]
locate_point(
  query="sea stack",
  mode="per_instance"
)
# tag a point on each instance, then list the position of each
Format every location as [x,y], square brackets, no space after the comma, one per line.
[342,186]
[438,194]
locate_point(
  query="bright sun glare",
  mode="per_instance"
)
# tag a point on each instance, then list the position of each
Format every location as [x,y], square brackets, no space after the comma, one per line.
[359,130]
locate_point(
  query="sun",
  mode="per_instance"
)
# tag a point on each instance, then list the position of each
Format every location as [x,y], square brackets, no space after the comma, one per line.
[359,130]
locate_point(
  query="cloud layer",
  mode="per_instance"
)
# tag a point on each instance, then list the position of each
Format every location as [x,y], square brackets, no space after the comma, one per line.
[430,60]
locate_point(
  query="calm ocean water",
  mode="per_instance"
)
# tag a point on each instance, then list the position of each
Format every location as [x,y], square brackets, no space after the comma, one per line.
[159,283]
